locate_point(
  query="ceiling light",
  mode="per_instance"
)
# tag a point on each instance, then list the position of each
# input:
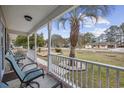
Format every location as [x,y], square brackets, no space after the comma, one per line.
[27,17]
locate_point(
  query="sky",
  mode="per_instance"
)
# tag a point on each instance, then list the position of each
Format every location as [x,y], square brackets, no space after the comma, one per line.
[116,17]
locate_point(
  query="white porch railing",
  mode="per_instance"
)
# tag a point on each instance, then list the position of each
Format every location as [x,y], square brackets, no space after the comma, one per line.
[82,73]
[31,54]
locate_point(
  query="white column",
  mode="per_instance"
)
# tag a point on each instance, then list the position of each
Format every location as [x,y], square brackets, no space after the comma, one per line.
[49,47]
[35,55]
[28,45]
[28,42]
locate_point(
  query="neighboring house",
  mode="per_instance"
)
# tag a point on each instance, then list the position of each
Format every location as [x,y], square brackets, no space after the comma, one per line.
[102,45]
[88,46]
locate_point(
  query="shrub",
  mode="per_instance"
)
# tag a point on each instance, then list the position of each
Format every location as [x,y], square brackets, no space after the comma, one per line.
[58,50]
[39,49]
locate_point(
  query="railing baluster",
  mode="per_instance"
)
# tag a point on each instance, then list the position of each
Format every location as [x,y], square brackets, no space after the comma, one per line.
[66,70]
[107,77]
[99,76]
[52,63]
[69,70]
[81,75]
[60,59]
[54,67]
[117,79]
[57,65]
[62,67]
[72,72]
[86,85]
[76,73]
[92,75]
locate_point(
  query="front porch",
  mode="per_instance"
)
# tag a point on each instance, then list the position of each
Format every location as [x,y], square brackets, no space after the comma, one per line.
[90,75]
[71,72]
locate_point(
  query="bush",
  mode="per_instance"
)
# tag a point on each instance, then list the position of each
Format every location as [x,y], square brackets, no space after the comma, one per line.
[58,50]
[39,49]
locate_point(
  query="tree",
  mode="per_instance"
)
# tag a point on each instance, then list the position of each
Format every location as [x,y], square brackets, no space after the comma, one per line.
[21,40]
[111,33]
[88,38]
[77,17]
[122,27]
[40,40]
[57,40]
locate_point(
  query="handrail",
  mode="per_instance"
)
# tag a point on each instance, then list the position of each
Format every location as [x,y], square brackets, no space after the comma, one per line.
[92,62]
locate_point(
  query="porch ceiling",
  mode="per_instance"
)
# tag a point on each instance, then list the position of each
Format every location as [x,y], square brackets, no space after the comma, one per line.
[42,14]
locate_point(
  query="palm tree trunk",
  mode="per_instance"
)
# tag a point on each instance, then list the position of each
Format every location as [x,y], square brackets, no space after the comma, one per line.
[72,52]
[73,37]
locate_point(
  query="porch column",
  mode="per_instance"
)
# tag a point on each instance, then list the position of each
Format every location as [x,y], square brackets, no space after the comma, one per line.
[28,42]
[35,55]
[28,45]
[49,47]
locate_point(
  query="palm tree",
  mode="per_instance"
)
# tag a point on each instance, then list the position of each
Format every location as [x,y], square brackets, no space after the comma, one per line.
[77,17]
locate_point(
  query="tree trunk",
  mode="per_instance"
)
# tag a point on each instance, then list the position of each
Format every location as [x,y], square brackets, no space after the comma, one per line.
[72,54]
[73,37]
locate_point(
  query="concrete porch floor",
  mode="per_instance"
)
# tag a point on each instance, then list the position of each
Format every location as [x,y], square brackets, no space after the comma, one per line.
[46,82]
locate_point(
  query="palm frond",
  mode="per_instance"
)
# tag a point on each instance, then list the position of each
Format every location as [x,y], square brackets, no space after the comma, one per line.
[94,11]
[99,10]
[62,22]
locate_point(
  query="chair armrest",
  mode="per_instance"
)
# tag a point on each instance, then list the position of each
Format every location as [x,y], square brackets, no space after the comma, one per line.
[33,72]
[29,65]
[19,58]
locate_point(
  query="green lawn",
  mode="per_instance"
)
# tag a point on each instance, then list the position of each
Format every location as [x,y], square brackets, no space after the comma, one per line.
[102,57]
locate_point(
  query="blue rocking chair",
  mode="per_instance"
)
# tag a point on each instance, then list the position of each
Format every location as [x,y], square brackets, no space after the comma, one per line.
[26,77]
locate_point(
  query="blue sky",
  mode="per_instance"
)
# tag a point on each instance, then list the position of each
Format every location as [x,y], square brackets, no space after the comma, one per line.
[116,17]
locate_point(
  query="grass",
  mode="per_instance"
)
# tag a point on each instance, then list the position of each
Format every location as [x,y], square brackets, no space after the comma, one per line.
[102,57]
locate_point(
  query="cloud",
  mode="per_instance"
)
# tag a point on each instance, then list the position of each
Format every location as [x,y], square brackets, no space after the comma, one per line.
[88,23]
[102,20]
[98,31]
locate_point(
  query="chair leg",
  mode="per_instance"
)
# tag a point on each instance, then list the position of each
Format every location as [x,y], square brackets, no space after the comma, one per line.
[61,85]
[23,85]
[34,82]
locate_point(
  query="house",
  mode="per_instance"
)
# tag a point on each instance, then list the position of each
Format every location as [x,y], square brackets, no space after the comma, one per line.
[102,45]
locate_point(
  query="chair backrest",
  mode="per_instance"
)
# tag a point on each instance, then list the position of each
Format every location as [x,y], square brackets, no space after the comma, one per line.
[14,65]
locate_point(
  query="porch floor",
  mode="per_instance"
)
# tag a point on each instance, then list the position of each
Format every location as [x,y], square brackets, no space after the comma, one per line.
[46,82]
